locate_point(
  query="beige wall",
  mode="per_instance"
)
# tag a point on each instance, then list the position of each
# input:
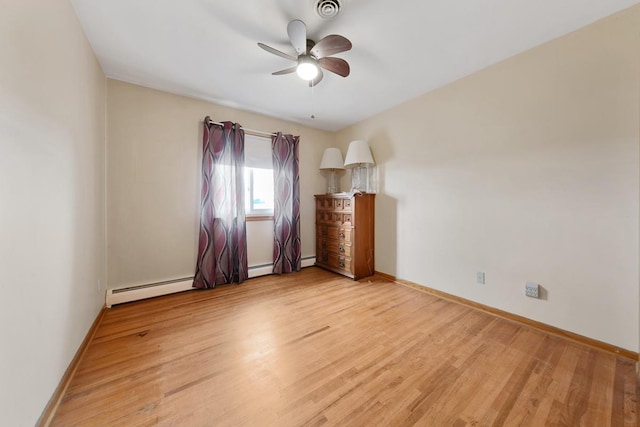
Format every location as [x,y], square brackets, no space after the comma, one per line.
[52,97]
[153,185]
[527,171]
[260,242]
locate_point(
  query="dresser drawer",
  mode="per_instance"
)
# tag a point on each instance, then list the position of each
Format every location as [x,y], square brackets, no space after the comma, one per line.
[327,245]
[324,204]
[324,217]
[333,247]
[340,262]
[344,234]
[327,231]
[344,249]
[332,217]
[333,232]
[334,261]
[341,218]
[342,205]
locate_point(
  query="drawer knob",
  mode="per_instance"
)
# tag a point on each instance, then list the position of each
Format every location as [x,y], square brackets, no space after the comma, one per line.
[341,248]
[341,264]
[341,235]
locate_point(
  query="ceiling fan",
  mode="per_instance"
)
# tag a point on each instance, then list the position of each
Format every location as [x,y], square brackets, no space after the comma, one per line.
[312,57]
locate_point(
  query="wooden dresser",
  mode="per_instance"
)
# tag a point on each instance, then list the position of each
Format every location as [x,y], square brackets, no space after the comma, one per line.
[345,234]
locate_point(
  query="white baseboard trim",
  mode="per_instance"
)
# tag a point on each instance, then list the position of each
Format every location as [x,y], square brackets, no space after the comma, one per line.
[261,270]
[135,293]
[308,261]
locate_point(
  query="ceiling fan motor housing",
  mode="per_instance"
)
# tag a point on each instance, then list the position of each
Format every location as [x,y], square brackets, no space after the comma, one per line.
[310,45]
[327,9]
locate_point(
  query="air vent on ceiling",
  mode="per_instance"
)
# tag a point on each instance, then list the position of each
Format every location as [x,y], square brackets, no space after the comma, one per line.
[328,9]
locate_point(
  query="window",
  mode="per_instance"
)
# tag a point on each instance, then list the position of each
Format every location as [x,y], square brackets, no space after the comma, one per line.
[258,176]
[258,191]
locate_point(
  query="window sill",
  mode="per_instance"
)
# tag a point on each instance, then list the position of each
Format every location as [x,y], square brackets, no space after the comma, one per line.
[259,218]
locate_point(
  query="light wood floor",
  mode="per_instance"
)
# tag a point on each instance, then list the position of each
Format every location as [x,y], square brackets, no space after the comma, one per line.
[313,348]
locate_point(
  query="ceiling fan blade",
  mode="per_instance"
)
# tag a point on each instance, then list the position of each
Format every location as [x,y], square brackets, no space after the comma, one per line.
[277,52]
[330,45]
[285,71]
[297,32]
[335,65]
[315,81]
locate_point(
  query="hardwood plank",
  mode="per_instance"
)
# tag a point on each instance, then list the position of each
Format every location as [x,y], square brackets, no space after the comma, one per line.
[516,318]
[535,392]
[314,348]
[50,410]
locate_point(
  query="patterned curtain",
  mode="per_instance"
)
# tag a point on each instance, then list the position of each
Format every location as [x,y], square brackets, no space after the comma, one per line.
[287,256]
[222,248]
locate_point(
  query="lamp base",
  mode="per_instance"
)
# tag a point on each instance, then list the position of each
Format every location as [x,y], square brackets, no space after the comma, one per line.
[332,182]
[359,178]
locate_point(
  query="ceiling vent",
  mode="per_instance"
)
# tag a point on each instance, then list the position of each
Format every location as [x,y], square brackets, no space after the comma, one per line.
[328,9]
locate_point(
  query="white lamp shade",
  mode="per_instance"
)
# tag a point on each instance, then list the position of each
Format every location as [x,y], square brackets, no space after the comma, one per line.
[358,153]
[332,159]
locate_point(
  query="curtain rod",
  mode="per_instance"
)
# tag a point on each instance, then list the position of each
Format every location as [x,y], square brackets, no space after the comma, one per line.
[248,131]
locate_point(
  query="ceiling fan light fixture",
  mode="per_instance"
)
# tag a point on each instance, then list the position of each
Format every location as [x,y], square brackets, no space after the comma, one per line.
[312,58]
[307,69]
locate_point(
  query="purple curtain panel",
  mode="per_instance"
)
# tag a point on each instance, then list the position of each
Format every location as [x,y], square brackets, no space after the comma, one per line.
[287,255]
[222,243]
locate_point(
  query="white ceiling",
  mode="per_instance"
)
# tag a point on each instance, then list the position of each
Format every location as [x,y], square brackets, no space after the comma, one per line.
[401,49]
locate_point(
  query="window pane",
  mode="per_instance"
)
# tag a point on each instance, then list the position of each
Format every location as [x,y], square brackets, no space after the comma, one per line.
[259,199]
[262,189]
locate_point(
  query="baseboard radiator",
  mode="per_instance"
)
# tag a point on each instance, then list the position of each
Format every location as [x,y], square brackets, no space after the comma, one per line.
[150,290]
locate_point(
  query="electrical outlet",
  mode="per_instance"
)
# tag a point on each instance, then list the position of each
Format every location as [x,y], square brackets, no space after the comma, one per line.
[480,277]
[99,285]
[532,290]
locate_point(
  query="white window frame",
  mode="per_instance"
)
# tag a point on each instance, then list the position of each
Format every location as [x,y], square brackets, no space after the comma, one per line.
[260,158]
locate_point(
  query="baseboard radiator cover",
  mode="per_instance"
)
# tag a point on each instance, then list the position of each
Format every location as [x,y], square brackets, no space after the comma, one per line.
[150,290]
[266,269]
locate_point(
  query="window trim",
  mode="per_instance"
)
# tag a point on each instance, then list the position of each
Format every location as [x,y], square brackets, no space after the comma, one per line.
[254,217]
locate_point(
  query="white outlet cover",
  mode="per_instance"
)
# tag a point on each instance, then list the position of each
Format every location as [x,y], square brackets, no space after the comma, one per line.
[532,289]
